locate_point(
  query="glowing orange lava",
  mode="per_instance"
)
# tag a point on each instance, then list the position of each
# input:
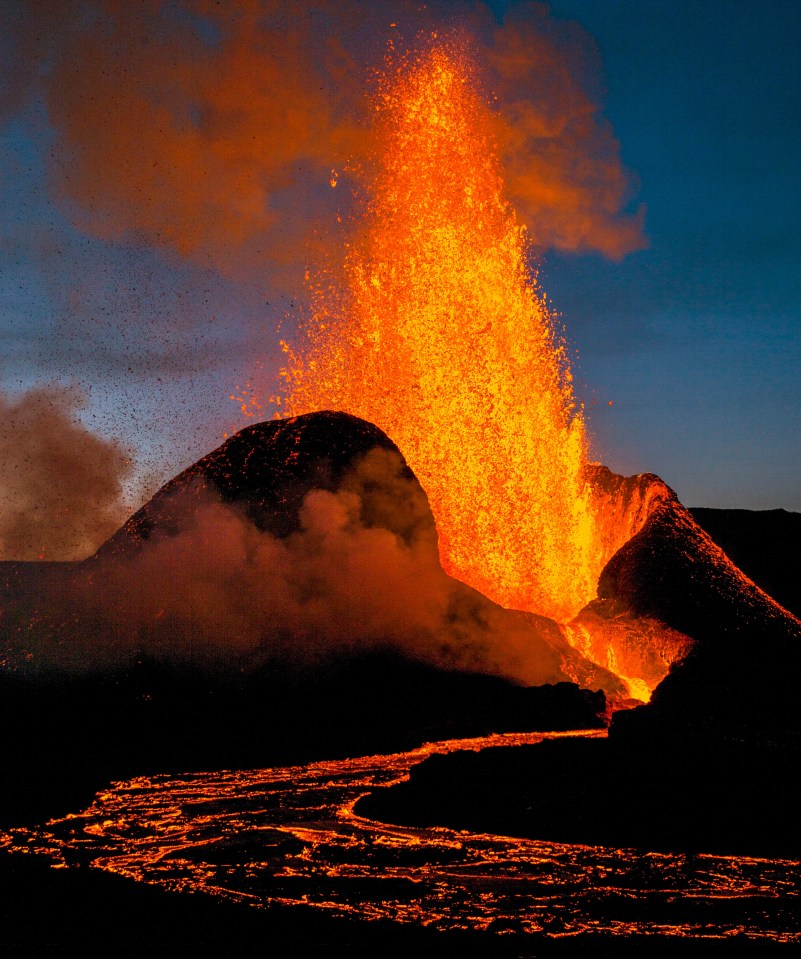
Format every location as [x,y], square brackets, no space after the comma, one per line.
[443,339]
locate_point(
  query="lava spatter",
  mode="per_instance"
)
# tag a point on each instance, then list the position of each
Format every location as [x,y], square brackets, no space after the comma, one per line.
[444,340]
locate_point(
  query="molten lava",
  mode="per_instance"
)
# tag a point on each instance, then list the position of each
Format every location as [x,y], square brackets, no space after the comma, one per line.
[437,332]
[444,340]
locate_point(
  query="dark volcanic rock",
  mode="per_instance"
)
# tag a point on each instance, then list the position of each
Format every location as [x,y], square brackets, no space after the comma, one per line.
[740,680]
[674,571]
[765,544]
[266,470]
[74,734]
[623,504]
[724,798]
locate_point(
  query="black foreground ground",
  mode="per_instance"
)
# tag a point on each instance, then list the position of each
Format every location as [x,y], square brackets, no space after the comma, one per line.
[48,912]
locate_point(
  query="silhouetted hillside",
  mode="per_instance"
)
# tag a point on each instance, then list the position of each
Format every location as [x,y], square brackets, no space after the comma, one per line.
[765,544]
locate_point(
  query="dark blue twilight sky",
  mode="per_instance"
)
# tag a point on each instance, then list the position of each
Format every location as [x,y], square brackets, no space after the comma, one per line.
[696,339]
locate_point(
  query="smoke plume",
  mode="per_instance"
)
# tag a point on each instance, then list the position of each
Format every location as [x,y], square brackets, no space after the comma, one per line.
[212,130]
[60,484]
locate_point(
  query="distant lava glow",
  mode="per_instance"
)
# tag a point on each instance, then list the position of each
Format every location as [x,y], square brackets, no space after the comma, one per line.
[439,334]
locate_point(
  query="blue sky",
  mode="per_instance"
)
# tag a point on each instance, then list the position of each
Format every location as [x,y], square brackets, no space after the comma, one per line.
[696,339]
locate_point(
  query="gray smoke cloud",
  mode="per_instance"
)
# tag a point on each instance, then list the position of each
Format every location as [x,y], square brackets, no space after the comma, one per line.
[60,484]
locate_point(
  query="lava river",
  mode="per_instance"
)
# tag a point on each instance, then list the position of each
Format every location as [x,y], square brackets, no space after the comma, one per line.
[290,836]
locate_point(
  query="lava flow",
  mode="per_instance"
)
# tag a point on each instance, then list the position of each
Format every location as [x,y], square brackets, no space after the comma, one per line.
[443,340]
[289,836]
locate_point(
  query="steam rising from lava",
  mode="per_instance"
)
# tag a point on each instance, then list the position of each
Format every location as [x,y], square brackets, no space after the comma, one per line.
[444,341]
[212,589]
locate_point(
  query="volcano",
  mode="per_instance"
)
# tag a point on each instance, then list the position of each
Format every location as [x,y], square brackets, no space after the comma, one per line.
[175,632]
[295,485]
[286,483]
[280,599]
[190,578]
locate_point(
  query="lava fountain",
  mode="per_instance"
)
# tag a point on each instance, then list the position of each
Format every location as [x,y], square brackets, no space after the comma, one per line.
[443,338]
